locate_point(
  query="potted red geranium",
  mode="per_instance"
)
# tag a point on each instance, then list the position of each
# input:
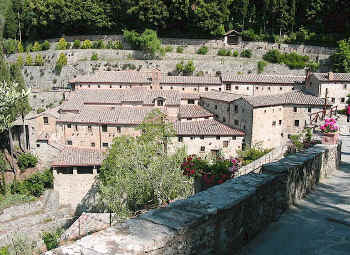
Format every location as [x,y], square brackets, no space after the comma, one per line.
[330,131]
[209,173]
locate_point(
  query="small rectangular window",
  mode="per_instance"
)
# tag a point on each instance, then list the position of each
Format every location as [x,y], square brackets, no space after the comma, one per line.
[216,107]
[228,109]
[295,109]
[223,119]
[257,88]
[192,137]
[69,142]
[190,101]
[119,129]
[236,122]
[202,137]
[104,128]
[202,148]
[236,108]
[274,123]
[296,123]
[225,144]
[342,99]
[46,120]
[206,89]
[99,86]
[217,137]
[38,145]
[233,138]
[345,86]
[309,109]
[93,144]
[189,118]
[333,100]
[180,139]
[76,127]
[69,125]
[280,122]
[105,145]
[228,86]
[269,88]
[89,128]
[236,87]
[281,88]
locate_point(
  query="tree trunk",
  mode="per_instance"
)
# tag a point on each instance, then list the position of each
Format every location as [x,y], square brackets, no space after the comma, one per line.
[11,153]
[25,134]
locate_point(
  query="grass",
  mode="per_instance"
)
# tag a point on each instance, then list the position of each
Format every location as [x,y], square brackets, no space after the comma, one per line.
[14,199]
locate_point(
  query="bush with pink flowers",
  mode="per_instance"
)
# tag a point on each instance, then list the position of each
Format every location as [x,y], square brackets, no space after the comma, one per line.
[211,172]
[330,126]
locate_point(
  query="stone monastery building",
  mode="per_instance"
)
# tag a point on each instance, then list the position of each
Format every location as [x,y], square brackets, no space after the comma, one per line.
[209,114]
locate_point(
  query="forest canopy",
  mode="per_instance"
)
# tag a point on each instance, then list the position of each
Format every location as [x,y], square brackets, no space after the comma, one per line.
[40,19]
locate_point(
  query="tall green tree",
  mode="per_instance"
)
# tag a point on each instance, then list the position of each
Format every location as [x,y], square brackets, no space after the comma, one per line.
[341,58]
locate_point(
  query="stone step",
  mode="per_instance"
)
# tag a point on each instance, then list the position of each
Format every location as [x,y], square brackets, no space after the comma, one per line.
[33,219]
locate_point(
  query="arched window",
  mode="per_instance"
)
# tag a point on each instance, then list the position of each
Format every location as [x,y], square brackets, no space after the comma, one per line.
[160,102]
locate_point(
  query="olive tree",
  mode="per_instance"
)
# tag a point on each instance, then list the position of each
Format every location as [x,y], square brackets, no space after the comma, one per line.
[139,172]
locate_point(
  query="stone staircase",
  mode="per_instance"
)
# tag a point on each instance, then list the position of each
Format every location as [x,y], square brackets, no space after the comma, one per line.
[30,220]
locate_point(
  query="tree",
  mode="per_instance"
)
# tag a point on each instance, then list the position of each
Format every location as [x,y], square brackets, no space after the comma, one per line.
[341,58]
[138,171]
[61,62]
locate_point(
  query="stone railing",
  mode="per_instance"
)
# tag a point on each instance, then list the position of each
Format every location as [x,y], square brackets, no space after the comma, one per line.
[256,165]
[219,220]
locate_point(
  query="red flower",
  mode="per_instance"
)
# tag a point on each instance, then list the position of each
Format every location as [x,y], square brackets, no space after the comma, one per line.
[220,181]
[192,172]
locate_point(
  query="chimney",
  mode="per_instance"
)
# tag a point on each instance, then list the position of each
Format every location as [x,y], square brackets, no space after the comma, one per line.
[156,79]
[330,76]
[307,78]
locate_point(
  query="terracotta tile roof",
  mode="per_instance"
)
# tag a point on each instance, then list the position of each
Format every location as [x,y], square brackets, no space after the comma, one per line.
[189,96]
[193,111]
[323,77]
[207,80]
[205,127]
[134,77]
[73,156]
[220,96]
[113,115]
[140,96]
[262,78]
[295,97]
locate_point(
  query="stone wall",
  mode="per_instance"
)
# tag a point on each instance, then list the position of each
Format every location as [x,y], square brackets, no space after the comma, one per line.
[219,220]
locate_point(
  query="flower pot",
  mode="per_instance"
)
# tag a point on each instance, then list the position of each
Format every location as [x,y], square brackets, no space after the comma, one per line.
[330,138]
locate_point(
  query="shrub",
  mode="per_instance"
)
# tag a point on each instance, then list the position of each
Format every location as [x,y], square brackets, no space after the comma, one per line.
[45,45]
[36,47]
[52,239]
[274,56]
[131,66]
[27,160]
[168,48]
[251,154]
[235,53]
[20,61]
[39,61]
[116,45]
[61,62]
[203,50]
[189,68]
[68,45]
[4,251]
[94,57]
[180,67]
[76,44]
[261,66]
[98,44]
[180,49]
[20,48]
[86,44]
[62,44]
[246,53]
[224,52]
[295,61]
[29,60]
[314,66]
[10,46]
[200,73]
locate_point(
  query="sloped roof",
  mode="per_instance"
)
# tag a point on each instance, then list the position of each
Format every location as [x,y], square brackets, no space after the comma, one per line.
[73,156]
[262,78]
[295,98]
[208,80]
[205,127]
[323,77]
[193,111]
[114,77]
[220,96]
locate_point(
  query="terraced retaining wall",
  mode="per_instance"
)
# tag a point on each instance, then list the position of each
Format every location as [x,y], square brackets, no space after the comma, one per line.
[219,220]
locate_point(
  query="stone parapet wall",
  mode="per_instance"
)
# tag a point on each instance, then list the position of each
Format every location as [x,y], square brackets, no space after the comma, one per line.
[219,220]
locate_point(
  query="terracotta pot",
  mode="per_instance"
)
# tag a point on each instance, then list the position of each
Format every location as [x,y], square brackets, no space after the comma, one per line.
[330,138]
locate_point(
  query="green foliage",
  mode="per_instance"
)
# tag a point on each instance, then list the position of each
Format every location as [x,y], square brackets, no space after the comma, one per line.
[27,160]
[297,141]
[20,61]
[22,245]
[292,60]
[62,44]
[98,44]
[35,185]
[341,58]
[76,44]
[116,45]
[86,44]
[168,48]
[29,60]
[235,53]
[29,47]
[251,154]
[4,251]
[274,56]
[20,48]
[203,50]
[40,110]
[148,42]
[7,200]
[10,46]
[189,68]
[39,60]
[261,66]
[180,67]
[246,53]
[45,45]
[36,47]
[313,66]
[180,49]
[52,239]
[61,62]
[94,57]
[224,52]
[138,171]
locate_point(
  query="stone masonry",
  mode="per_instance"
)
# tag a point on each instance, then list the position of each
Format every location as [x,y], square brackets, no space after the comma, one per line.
[219,220]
